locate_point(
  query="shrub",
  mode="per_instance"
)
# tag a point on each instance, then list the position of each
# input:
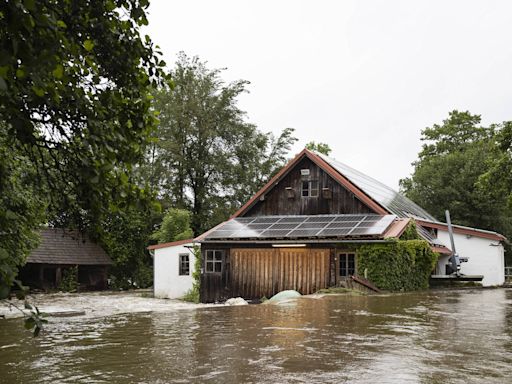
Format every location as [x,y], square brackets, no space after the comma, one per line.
[69,282]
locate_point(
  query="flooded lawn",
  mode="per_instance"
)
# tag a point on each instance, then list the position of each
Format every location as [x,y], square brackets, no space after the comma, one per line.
[431,337]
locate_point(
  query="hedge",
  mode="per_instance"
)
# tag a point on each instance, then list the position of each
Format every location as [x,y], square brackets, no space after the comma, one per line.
[400,265]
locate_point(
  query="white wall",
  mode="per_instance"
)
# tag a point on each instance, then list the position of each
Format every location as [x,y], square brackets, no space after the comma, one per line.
[168,284]
[486,257]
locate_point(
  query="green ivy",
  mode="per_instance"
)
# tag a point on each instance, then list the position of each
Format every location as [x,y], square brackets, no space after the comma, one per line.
[401,265]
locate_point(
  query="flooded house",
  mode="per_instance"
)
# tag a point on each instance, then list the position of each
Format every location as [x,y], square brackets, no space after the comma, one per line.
[173,266]
[301,231]
[60,252]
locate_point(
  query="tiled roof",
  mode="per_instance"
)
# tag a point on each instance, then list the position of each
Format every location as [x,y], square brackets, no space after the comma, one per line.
[60,246]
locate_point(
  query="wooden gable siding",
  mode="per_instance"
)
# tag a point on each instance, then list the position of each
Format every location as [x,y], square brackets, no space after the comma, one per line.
[277,201]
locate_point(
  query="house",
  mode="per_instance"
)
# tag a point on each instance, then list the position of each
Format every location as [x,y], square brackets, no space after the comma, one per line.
[173,266]
[58,252]
[297,232]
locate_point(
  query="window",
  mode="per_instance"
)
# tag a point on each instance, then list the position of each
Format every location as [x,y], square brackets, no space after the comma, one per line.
[213,261]
[347,264]
[310,188]
[184,267]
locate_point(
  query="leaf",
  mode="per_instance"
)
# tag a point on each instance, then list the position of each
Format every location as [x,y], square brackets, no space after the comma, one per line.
[38,91]
[61,24]
[58,71]
[88,45]
[3,84]
[20,73]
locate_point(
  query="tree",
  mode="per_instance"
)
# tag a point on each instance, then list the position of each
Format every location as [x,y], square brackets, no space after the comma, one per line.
[320,147]
[75,81]
[74,90]
[448,174]
[21,210]
[206,157]
[175,226]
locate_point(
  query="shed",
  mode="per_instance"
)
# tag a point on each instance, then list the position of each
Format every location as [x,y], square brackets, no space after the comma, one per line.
[173,268]
[60,250]
[295,233]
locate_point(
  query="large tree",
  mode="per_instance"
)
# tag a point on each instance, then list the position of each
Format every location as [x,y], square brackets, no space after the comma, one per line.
[449,174]
[75,80]
[207,157]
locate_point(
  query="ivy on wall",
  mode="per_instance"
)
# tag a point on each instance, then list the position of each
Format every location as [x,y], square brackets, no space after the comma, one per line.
[400,265]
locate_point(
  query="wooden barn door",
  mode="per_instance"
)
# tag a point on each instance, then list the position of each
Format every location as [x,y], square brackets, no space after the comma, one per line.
[258,272]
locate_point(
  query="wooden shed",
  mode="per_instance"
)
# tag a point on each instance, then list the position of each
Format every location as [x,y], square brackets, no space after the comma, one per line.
[298,232]
[58,252]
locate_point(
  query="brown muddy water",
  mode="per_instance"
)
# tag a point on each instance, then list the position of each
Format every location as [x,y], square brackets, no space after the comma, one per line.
[462,336]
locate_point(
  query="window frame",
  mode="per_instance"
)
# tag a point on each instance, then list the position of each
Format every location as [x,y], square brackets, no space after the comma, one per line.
[346,264]
[312,188]
[214,260]
[183,265]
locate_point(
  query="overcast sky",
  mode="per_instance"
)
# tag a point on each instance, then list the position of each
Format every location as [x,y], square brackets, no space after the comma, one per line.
[363,76]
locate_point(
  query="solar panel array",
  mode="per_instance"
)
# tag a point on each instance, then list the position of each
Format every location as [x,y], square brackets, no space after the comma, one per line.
[384,195]
[291,227]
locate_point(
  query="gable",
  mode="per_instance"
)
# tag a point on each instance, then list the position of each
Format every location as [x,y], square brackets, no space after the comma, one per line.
[285,195]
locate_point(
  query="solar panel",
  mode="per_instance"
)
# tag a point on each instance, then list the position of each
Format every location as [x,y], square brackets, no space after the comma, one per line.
[292,219]
[392,200]
[265,219]
[304,232]
[270,227]
[334,232]
[288,226]
[275,233]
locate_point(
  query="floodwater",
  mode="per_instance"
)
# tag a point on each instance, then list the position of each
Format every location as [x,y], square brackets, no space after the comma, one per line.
[462,336]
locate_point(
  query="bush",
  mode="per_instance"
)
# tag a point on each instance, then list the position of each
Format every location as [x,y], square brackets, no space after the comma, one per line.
[398,265]
[69,282]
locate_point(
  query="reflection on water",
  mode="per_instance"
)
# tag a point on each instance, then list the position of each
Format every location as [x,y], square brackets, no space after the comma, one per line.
[433,337]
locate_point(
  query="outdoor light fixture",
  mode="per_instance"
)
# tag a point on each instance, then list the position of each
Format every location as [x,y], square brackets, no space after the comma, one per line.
[288,245]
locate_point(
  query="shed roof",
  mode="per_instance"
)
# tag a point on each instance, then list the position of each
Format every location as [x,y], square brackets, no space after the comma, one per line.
[66,247]
[170,244]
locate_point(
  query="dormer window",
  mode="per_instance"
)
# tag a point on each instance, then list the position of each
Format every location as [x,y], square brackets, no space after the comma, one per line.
[310,188]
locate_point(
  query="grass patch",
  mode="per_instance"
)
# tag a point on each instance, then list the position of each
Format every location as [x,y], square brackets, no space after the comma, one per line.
[192,296]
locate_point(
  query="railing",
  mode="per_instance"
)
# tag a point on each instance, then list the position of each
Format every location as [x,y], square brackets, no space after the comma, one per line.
[508,274]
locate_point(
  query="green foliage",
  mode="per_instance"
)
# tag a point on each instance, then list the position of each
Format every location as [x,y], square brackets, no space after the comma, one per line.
[125,236]
[74,92]
[193,294]
[206,157]
[320,147]
[411,232]
[21,212]
[397,265]
[69,282]
[175,226]
[460,169]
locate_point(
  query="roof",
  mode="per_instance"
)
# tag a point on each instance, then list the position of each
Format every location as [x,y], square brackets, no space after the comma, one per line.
[303,227]
[171,244]
[464,230]
[377,196]
[66,247]
[388,198]
[382,199]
